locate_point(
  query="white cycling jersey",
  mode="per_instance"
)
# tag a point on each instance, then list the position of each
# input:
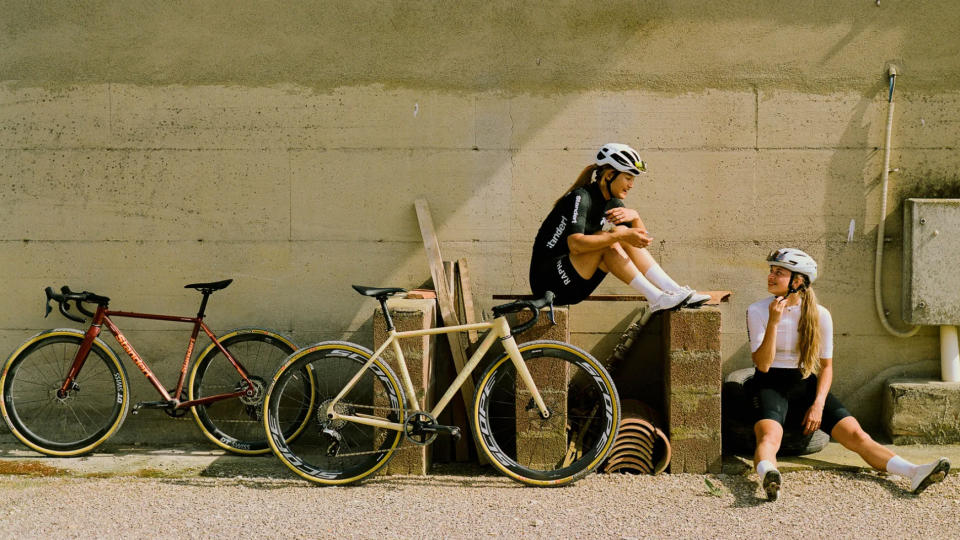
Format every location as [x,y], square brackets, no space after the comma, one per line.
[787,354]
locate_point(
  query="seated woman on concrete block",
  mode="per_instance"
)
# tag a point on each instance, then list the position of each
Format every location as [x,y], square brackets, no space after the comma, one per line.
[791,340]
[589,232]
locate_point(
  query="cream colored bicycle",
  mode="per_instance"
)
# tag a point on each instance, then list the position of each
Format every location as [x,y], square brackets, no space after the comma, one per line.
[545,413]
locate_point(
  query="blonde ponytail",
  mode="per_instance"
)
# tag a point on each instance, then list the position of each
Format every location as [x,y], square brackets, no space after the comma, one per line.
[809,330]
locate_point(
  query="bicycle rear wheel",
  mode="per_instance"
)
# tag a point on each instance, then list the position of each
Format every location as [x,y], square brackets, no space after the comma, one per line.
[573,440]
[91,411]
[334,452]
[236,424]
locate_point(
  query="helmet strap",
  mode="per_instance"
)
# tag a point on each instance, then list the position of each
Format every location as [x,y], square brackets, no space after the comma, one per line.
[803,285]
[610,181]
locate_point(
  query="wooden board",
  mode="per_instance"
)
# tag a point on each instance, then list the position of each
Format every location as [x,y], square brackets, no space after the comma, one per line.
[466,296]
[445,299]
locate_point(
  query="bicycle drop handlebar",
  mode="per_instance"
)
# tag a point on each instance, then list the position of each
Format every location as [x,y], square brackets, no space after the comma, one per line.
[66,296]
[533,305]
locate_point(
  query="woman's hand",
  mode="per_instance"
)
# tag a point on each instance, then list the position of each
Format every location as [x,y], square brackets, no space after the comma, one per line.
[811,421]
[622,215]
[635,237]
[776,308]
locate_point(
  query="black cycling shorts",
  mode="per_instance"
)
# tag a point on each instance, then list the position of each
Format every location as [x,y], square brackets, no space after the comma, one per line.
[781,394]
[559,275]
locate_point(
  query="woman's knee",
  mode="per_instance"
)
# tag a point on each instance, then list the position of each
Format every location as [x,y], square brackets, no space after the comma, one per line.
[849,432]
[768,432]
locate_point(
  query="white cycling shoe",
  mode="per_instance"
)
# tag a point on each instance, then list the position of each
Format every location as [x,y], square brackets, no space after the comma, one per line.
[694,299]
[929,474]
[669,300]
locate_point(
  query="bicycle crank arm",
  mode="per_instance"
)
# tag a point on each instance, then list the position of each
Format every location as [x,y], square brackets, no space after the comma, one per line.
[163,404]
[453,431]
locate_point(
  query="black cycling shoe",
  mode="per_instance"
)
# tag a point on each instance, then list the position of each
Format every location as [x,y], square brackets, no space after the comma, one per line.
[771,484]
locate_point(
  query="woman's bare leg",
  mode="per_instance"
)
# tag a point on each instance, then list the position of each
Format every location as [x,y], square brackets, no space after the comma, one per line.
[769,434]
[849,433]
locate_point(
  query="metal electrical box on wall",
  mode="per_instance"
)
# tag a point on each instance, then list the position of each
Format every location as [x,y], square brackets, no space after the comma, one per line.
[931,255]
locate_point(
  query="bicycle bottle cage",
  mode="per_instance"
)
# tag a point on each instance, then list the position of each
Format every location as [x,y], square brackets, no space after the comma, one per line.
[533,305]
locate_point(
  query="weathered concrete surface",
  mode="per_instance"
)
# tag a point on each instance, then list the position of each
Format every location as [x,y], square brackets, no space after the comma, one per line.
[922,411]
[145,146]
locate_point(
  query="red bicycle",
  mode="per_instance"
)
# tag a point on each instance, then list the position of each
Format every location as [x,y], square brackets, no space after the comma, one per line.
[64,391]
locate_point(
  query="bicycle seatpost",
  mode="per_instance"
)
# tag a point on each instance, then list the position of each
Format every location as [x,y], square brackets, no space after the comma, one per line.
[203,303]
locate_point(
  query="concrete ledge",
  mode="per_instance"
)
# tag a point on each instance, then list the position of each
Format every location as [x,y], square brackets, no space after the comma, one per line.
[921,411]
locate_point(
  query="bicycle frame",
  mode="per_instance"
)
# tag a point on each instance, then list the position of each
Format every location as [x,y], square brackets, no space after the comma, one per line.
[102,316]
[499,328]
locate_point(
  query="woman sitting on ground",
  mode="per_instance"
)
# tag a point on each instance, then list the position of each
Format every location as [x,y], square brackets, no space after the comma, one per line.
[791,338]
[590,232]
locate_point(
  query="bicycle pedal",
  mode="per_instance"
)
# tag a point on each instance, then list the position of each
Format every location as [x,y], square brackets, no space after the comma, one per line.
[453,431]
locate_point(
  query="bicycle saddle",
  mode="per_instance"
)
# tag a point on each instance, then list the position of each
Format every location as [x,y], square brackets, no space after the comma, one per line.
[214,286]
[377,291]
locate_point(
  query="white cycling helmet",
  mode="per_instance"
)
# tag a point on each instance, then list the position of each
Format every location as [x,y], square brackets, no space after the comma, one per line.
[795,261]
[622,158]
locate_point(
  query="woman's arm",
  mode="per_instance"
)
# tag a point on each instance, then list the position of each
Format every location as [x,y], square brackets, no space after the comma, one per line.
[763,356]
[585,243]
[811,421]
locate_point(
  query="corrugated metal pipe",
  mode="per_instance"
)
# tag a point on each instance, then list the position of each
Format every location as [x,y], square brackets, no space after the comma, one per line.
[641,446]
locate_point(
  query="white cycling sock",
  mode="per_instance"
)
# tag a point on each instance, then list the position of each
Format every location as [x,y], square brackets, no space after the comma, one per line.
[899,466]
[643,285]
[658,277]
[763,467]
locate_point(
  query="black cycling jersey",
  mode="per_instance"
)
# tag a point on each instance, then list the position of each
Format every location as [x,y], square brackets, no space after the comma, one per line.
[580,211]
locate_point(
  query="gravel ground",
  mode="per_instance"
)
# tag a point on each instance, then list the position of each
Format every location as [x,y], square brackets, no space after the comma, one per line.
[814,504]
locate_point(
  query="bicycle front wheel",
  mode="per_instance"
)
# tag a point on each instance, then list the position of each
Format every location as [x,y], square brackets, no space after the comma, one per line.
[579,431]
[236,424]
[335,451]
[63,425]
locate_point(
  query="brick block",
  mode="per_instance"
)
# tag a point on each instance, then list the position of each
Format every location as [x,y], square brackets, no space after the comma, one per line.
[409,314]
[917,411]
[544,329]
[692,381]
[695,455]
[693,329]
[536,437]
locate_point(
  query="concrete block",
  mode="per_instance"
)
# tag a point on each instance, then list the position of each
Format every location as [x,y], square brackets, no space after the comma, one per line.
[918,411]
[693,378]
[418,354]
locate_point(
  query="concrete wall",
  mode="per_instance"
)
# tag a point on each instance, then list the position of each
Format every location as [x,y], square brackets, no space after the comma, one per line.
[147,145]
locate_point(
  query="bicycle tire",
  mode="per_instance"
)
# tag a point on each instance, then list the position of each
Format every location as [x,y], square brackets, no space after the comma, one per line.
[92,411]
[361,450]
[236,424]
[566,446]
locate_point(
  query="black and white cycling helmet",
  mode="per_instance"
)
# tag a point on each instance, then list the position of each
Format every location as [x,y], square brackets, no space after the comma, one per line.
[622,158]
[795,261]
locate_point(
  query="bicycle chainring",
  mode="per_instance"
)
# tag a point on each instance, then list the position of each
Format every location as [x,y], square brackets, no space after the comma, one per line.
[414,428]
